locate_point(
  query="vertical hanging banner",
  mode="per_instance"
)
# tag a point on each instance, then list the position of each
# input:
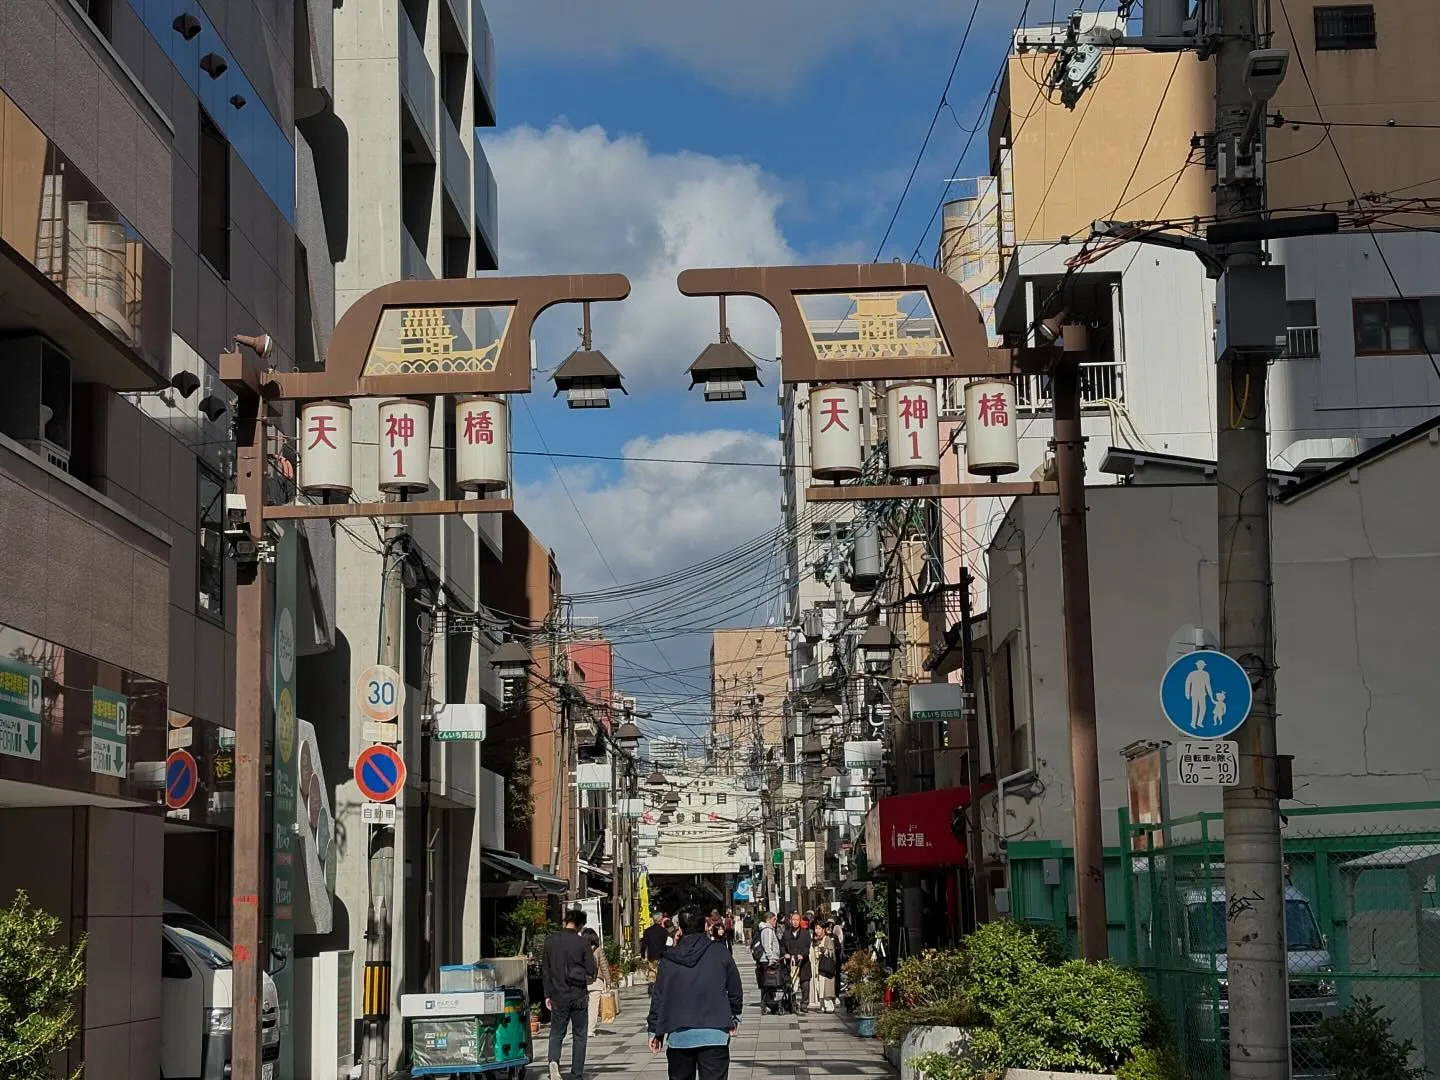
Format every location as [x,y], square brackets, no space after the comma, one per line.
[284,779]
[913,429]
[835,450]
[404,445]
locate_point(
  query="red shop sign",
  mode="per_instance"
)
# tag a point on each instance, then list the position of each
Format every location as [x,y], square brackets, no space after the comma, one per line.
[915,832]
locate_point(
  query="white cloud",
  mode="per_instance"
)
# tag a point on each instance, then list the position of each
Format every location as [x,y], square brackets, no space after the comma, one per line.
[582,201]
[654,518]
[761,48]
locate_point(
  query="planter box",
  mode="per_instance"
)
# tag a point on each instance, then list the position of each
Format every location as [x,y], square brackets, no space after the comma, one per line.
[923,1040]
[1040,1074]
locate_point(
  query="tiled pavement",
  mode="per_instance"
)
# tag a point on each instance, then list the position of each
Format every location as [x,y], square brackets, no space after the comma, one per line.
[816,1046]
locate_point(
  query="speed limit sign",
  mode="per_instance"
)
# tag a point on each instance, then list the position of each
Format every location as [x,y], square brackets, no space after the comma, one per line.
[379,694]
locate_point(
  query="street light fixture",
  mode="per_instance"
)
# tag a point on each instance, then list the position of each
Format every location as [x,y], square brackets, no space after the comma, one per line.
[724,367]
[829,772]
[586,376]
[512,661]
[877,648]
[656,779]
[627,738]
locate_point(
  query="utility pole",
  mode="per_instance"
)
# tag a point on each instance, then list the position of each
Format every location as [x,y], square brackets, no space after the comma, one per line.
[380,915]
[1255,930]
[1079,648]
[968,707]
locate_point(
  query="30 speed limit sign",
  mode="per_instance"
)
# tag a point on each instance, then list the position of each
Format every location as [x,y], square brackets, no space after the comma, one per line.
[379,694]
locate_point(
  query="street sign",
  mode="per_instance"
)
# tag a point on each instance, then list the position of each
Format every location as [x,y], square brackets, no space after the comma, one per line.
[379,773]
[374,813]
[379,693]
[460,722]
[1208,762]
[1205,694]
[381,733]
[182,777]
[777,857]
[933,702]
[21,702]
[109,732]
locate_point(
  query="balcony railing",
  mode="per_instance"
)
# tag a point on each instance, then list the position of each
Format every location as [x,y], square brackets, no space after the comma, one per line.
[417,81]
[1100,382]
[487,208]
[455,165]
[1303,343]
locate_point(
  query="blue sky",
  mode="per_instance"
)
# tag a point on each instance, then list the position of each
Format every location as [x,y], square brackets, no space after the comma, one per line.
[645,136]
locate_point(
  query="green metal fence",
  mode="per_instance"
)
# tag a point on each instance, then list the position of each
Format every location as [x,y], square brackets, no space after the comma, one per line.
[1362,921]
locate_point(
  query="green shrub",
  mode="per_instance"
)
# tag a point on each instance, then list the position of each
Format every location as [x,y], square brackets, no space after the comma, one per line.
[1358,1045]
[39,981]
[1152,1064]
[935,977]
[999,956]
[896,1021]
[936,1065]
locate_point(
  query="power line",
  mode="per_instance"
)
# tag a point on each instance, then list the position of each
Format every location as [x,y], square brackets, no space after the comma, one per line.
[930,131]
[652,460]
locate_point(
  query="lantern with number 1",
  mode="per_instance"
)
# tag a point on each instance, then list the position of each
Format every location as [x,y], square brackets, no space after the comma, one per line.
[992,446]
[404,445]
[482,444]
[325,448]
[912,430]
[835,448]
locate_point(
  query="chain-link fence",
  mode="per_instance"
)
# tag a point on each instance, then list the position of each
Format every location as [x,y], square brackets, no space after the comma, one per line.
[1362,922]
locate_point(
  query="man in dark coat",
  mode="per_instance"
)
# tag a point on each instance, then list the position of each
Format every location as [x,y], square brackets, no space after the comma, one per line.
[697,1002]
[652,941]
[568,967]
[795,946]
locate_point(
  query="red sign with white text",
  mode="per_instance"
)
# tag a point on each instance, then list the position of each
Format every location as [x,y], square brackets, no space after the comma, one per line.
[916,831]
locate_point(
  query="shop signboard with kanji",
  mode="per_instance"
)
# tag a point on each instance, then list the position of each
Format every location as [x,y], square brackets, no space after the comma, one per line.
[917,831]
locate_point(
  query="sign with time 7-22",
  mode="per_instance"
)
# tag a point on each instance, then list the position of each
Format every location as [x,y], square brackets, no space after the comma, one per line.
[21,704]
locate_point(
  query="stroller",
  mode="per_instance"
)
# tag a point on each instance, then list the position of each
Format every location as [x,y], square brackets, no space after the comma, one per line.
[775,987]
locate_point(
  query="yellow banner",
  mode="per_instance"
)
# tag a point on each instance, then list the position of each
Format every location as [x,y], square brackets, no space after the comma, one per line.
[644,900]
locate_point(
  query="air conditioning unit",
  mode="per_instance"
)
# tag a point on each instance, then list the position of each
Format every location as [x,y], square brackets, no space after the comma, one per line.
[35,410]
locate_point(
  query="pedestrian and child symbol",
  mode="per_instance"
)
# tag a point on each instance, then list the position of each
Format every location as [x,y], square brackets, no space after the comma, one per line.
[1205,694]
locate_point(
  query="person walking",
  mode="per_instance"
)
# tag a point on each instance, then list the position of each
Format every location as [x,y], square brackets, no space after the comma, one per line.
[652,941]
[600,983]
[795,946]
[766,950]
[697,1003]
[567,967]
[825,957]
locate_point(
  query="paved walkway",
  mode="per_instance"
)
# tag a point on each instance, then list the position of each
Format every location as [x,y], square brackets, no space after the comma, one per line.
[816,1046]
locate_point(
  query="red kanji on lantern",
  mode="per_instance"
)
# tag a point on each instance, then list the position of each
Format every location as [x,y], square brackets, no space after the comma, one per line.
[400,426]
[994,410]
[479,427]
[915,408]
[833,412]
[322,428]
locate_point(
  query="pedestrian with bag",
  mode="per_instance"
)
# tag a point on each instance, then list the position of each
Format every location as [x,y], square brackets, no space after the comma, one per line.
[766,949]
[567,968]
[795,947]
[600,983]
[825,955]
[697,1003]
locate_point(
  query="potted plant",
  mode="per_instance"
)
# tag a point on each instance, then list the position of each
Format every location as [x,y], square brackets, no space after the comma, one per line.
[535,1019]
[865,987]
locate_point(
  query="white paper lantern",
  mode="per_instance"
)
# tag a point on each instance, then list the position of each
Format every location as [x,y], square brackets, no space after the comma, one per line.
[482,444]
[912,429]
[992,444]
[325,447]
[404,445]
[835,446]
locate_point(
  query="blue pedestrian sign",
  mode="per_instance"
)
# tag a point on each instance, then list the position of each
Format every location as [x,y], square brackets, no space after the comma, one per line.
[1205,695]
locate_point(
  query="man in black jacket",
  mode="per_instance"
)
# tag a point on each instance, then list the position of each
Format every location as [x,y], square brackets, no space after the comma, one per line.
[567,967]
[696,1004]
[652,942]
[795,947]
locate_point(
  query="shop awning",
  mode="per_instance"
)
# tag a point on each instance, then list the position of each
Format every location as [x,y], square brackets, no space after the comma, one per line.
[509,866]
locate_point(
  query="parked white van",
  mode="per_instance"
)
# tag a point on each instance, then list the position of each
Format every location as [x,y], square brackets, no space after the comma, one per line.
[196,1001]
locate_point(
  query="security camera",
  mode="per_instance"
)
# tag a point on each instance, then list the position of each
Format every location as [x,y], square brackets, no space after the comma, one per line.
[1265,71]
[237,523]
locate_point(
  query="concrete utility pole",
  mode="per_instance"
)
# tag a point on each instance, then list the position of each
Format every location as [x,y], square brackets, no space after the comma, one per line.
[975,837]
[1254,878]
[1079,648]
[379,917]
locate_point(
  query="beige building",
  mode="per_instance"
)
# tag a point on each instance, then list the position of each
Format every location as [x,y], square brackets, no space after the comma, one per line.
[749,676]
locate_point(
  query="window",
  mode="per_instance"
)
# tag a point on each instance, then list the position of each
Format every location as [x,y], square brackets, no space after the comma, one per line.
[1304,331]
[214,196]
[1345,26]
[1392,326]
[210,572]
